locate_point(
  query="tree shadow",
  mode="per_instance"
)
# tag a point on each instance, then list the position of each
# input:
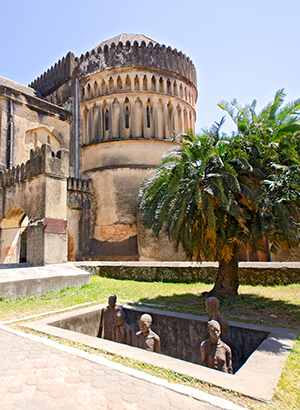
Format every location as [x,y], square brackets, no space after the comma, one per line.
[249,308]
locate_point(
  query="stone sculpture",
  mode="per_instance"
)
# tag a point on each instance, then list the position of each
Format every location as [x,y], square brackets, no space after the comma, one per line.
[214,352]
[121,331]
[212,304]
[146,338]
[109,314]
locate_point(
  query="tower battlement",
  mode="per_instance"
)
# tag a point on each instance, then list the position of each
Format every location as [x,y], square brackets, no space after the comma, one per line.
[55,75]
[136,55]
[112,55]
[42,161]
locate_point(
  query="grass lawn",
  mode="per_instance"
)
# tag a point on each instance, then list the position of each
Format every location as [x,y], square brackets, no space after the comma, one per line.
[273,306]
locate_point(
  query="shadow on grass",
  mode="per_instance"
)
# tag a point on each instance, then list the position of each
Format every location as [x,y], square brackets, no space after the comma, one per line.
[246,308]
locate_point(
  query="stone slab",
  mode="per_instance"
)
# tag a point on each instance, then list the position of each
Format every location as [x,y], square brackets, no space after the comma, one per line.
[29,281]
[256,378]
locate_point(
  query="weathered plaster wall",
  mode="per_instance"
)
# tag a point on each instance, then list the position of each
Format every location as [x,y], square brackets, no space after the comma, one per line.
[38,190]
[130,153]
[79,201]
[35,122]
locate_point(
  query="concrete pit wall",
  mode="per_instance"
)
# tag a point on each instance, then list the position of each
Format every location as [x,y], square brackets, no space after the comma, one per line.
[180,336]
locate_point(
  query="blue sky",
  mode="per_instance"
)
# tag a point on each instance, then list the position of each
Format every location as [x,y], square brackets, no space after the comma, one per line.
[242,49]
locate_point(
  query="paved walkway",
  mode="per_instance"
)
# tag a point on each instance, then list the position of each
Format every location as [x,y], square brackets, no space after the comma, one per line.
[38,375]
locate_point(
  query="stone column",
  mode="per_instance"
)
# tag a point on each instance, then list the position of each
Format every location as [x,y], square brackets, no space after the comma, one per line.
[132,113]
[182,119]
[100,124]
[155,118]
[121,123]
[90,126]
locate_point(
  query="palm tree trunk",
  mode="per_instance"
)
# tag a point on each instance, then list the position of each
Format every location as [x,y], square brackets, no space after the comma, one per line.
[227,281]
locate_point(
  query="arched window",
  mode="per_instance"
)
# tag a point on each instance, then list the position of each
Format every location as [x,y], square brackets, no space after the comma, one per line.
[161,85]
[89,91]
[55,98]
[153,83]
[128,83]
[61,96]
[111,85]
[145,83]
[127,117]
[119,84]
[169,86]
[175,88]
[181,91]
[148,116]
[95,89]
[136,83]
[86,125]
[82,93]
[106,120]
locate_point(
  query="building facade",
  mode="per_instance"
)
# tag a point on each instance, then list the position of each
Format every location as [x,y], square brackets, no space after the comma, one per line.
[106,118]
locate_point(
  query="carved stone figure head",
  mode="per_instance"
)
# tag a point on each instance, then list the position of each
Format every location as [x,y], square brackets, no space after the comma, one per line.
[145,323]
[112,301]
[120,318]
[214,330]
[211,304]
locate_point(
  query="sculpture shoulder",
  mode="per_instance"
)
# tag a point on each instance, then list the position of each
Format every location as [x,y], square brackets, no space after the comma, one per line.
[153,335]
[225,346]
[205,344]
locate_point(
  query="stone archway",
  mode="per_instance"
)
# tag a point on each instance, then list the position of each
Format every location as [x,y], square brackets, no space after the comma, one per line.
[13,228]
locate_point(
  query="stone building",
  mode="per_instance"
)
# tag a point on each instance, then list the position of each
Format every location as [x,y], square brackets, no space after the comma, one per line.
[87,132]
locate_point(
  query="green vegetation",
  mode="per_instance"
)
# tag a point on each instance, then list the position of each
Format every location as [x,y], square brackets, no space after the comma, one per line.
[213,191]
[273,305]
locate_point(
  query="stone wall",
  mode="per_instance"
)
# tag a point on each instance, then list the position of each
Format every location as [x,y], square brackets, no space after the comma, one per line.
[34,123]
[36,192]
[250,273]
[79,200]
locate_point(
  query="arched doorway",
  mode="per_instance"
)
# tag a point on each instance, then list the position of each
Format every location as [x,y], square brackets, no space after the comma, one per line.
[13,229]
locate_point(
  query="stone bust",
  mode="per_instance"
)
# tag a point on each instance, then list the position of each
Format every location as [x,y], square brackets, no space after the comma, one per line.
[214,352]
[212,304]
[146,338]
[121,331]
[109,314]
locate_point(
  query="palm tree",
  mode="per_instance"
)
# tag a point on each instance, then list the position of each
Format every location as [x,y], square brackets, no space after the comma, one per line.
[272,140]
[201,194]
[213,192]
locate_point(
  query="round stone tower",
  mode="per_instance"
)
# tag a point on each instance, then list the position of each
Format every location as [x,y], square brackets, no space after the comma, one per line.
[135,94]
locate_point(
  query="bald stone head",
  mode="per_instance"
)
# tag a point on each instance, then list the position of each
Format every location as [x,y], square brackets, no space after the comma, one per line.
[211,304]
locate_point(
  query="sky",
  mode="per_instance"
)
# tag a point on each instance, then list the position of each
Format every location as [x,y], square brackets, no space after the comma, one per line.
[243,49]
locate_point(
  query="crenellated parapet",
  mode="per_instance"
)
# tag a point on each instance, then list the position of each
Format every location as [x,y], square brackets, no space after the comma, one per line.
[42,161]
[109,56]
[55,75]
[78,184]
[135,55]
